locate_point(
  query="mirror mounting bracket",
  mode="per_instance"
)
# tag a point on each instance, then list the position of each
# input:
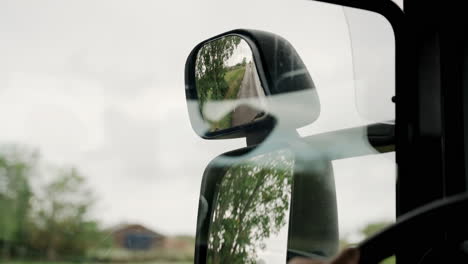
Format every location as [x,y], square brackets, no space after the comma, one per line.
[257,137]
[273,132]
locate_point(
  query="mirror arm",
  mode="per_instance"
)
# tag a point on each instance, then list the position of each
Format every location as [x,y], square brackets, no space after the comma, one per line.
[382,137]
[256,137]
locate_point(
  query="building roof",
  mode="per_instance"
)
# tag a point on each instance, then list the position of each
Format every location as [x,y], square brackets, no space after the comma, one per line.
[136,228]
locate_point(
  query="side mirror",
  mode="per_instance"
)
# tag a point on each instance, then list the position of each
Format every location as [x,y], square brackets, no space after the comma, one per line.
[245,80]
[251,201]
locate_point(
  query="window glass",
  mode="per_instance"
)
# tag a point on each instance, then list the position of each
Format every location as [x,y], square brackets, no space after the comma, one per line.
[98,159]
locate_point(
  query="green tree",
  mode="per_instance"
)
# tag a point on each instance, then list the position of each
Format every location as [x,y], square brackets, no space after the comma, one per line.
[17,167]
[252,202]
[62,210]
[244,61]
[48,220]
[211,67]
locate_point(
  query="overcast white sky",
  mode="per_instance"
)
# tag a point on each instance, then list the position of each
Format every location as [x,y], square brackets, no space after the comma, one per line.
[100,85]
[240,52]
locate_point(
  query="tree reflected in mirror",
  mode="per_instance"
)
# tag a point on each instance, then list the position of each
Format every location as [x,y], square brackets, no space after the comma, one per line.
[252,205]
[211,68]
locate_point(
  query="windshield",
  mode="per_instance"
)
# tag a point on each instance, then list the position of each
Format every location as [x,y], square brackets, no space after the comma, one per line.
[99,161]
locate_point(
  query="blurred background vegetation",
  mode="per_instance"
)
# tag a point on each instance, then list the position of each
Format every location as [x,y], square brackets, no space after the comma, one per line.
[45,217]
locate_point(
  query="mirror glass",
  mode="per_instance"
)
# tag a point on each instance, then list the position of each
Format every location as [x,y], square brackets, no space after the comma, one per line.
[228,87]
[251,211]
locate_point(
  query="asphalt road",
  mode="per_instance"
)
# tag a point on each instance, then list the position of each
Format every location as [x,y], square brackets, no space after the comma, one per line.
[249,88]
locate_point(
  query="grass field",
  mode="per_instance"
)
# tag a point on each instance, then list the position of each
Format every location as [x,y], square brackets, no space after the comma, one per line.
[234,79]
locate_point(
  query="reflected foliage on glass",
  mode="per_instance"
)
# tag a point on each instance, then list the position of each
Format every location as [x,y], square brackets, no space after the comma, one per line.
[225,71]
[211,68]
[252,205]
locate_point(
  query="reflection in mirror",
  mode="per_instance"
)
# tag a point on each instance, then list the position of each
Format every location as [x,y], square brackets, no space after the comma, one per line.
[225,71]
[251,211]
